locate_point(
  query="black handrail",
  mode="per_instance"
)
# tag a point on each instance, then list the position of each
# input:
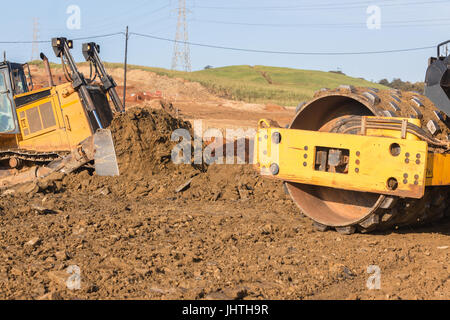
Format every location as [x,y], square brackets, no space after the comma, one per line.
[440,45]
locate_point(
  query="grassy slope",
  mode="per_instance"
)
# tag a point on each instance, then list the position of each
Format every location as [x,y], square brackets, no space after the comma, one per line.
[288,87]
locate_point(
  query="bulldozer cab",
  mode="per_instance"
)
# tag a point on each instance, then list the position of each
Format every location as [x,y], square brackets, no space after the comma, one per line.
[12,82]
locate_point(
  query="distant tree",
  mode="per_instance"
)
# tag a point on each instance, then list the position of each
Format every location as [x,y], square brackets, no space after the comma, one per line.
[398,84]
[337,72]
[208,67]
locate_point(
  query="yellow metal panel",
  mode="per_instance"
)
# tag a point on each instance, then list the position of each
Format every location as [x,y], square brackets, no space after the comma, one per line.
[52,141]
[24,122]
[63,133]
[72,126]
[438,169]
[393,133]
[51,135]
[371,164]
[72,114]
[76,123]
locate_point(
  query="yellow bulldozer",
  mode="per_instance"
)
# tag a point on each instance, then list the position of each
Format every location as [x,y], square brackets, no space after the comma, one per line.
[58,128]
[363,159]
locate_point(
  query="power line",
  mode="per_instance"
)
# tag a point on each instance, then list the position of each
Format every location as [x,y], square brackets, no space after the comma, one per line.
[75,39]
[330,6]
[154,23]
[107,24]
[234,48]
[23,42]
[423,22]
[100,36]
[284,52]
[314,4]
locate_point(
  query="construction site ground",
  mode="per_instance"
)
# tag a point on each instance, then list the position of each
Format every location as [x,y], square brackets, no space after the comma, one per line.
[166,231]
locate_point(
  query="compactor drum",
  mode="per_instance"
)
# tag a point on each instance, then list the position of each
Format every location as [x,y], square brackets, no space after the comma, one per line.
[362,159]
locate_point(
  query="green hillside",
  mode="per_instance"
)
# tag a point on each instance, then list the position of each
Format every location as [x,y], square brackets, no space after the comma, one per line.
[260,84]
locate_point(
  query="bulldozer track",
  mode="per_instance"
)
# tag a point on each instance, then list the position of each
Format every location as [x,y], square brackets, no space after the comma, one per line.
[25,155]
[393,212]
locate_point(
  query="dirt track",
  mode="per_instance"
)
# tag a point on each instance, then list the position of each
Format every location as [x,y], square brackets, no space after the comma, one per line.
[231,235]
[164,249]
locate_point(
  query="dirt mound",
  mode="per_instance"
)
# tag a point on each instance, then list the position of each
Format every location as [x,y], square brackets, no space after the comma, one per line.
[234,182]
[142,138]
[274,108]
[170,88]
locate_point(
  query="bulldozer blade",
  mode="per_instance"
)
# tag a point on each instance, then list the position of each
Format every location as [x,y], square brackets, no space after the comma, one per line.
[105,154]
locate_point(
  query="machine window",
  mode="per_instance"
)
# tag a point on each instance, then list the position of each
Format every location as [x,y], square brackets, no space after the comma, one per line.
[6,110]
[20,84]
[3,87]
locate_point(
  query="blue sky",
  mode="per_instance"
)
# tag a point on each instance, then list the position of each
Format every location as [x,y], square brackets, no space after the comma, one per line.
[275,25]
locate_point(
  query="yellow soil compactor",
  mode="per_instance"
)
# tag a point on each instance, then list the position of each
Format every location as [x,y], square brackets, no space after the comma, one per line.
[58,128]
[362,159]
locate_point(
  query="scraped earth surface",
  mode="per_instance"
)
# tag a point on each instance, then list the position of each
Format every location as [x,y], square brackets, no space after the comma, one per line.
[166,231]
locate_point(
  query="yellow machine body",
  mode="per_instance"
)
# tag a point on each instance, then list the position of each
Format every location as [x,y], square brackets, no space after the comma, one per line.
[59,128]
[53,120]
[362,159]
[372,166]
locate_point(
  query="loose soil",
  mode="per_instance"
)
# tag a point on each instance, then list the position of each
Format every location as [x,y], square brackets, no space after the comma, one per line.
[166,231]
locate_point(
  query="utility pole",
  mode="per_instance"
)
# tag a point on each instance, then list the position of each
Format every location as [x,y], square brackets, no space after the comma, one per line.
[35,44]
[125,66]
[182,54]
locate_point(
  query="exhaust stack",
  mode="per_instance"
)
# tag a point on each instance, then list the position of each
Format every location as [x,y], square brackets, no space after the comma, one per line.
[48,70]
